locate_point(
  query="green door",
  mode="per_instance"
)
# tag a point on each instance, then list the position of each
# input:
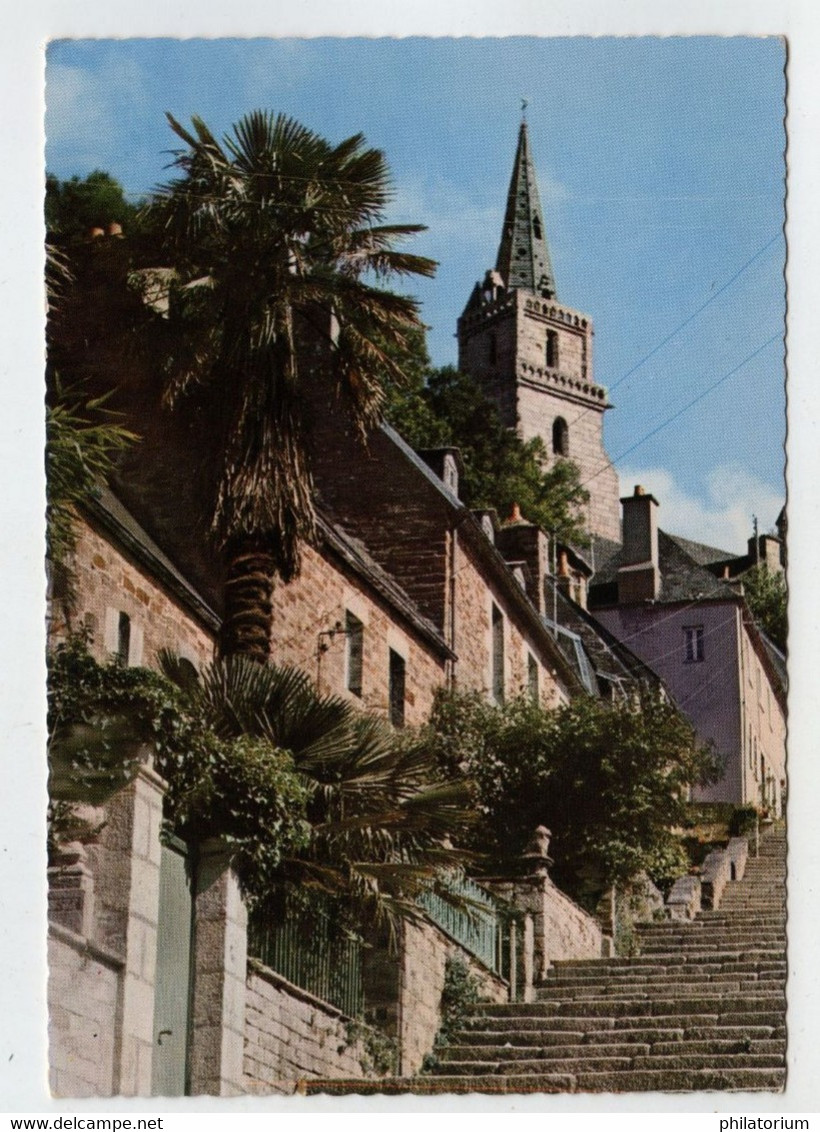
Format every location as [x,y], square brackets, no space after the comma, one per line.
[173,976]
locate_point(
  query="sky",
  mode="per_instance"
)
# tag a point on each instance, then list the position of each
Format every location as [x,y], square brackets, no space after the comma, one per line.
[661,170]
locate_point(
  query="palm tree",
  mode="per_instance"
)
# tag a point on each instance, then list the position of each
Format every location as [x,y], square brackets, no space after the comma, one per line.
[274,234]
[380,812]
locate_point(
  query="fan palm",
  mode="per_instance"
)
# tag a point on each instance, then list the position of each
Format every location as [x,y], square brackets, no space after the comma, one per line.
[379,811]
[274,234]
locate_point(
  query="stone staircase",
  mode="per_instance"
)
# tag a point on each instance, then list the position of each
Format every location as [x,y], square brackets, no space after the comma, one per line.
[700,1007]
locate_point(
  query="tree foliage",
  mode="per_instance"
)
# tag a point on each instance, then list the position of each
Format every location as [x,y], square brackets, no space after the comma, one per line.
[82,441]
[313,798]
[446,407]
[765,593]
[238,788]
[272,232]
[380,809]
[74,207]
[610,782]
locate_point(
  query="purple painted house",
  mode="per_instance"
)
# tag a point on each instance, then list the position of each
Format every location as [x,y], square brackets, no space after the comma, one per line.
[676,604]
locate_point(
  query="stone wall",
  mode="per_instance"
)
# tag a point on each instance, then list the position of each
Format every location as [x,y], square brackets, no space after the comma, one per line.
[425,950]
[321,597]
[290,1035]
[561,929]
[106,582]
[83,991]
[474,599]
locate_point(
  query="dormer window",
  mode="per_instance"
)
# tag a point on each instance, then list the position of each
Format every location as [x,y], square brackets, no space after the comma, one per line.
[536,227]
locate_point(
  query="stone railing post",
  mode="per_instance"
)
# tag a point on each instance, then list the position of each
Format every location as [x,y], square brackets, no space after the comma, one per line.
[527,959]
[219,962]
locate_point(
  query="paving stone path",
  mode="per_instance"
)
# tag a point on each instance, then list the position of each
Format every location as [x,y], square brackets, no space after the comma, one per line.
[701,1007]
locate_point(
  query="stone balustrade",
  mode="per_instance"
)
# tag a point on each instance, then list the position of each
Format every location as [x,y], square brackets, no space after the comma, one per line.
[685,899]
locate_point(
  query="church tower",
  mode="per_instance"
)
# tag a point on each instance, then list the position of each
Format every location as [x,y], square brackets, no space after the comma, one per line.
[533,355]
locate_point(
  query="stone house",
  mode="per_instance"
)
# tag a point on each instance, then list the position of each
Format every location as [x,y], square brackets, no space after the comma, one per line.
[153,986]
[695,631]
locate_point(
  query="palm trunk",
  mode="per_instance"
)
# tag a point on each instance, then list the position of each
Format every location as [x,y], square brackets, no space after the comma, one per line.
[246,628]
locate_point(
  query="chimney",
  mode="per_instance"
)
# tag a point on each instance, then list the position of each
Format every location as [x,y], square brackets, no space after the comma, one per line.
[638,576]
[520,541]
[766,553]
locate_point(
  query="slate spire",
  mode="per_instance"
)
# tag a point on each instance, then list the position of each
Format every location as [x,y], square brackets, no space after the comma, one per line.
[523,256]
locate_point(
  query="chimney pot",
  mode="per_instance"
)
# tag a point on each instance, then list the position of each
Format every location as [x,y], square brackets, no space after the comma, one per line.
[515,514]
[639,490]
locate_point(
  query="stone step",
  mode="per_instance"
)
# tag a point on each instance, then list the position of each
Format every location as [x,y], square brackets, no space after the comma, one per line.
[748,1004]
[441,1086]
[702,946]
[755,955]
[580,1031]
[772,1050]
[557,1065]
[588,1064]
[637,984]
[751,1039]
[737,969]
[509,1053]
[682,1081]
[628,1081]
[623,989]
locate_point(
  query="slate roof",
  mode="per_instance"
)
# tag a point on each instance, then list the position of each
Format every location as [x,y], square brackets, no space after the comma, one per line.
[683,578]
[117,520]
[700,553]
[611,660]
[354,553]
[523,256]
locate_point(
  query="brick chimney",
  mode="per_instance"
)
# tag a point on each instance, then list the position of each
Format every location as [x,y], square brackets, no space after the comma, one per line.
[638,576]
[520,541]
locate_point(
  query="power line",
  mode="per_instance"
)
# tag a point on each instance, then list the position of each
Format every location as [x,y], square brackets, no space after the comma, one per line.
[686,321]
[701,308]
[774,338]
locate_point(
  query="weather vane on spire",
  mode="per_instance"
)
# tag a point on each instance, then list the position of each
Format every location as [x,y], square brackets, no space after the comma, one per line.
[524,104]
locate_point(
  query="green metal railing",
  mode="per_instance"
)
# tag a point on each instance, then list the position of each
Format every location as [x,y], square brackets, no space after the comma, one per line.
[473,919]
[309,953]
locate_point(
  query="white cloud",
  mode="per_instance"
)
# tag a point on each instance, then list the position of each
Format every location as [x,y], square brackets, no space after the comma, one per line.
[721,516]
[88,110]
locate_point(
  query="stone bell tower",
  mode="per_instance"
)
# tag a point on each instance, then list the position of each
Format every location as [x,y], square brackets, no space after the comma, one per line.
[533,355]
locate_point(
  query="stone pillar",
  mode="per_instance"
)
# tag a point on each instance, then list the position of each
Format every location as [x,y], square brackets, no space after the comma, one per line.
[220,954]
[71,890]
[527,959]
[125,863]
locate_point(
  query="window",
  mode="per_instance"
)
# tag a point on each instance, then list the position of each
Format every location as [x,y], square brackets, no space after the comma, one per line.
[532,678]
[552,349]
[493,350]
[536,227]
[396,689]
[497,658]
[354,639]
[123,638]
[560,437]
[693,638]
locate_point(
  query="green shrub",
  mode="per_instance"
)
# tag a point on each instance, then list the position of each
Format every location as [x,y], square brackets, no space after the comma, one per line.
[742,821]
